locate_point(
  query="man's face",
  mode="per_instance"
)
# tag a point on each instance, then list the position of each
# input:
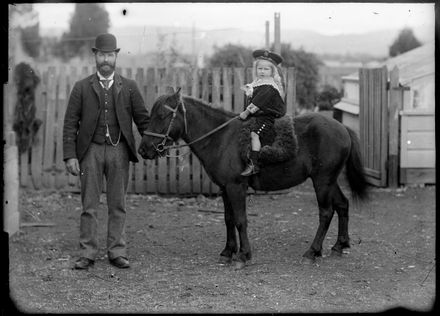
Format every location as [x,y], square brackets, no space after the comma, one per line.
[105,62]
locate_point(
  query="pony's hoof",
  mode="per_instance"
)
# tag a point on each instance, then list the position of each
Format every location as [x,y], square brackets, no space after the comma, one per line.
[238,265]
[336,253]
[224,260]
[307,261]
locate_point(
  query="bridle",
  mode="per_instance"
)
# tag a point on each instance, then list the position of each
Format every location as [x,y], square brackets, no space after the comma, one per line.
[161,147]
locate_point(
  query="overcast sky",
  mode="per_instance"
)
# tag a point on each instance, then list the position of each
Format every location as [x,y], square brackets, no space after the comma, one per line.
[325,18]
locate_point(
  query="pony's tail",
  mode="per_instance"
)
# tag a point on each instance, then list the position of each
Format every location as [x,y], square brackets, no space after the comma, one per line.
[355,169]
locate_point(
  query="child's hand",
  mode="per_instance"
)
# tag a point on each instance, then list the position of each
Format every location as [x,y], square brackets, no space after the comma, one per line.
[252,108]
[243,115]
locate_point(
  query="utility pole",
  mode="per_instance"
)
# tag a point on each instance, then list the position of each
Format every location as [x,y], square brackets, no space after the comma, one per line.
[277,37]
[193,44]
[267,35]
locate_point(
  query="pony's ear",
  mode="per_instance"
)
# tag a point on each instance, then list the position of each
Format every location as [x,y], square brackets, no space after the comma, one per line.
[178,90]
[169,90]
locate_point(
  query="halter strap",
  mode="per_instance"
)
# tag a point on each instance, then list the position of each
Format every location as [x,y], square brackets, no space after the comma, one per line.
[161,147]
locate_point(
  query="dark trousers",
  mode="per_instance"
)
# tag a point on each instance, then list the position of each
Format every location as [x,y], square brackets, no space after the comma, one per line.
[113,163]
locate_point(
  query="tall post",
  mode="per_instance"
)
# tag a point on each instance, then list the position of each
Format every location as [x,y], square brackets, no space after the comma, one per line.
[396,104]
[267,35]
[193,45]
[277,36]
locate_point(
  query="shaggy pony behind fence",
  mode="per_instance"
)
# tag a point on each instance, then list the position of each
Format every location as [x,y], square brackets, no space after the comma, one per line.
[25,124]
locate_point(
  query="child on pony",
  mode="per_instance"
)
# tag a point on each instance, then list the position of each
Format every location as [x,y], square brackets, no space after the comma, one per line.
[266,102]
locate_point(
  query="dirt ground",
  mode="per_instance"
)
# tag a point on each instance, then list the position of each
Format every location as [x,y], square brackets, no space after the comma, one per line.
[174,246]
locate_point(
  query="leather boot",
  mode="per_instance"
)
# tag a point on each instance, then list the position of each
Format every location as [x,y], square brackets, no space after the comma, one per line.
[252,167]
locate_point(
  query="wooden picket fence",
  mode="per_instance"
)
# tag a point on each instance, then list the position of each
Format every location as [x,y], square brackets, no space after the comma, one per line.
[42,167]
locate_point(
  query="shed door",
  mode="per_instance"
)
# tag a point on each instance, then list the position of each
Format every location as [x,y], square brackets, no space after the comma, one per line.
[373,123]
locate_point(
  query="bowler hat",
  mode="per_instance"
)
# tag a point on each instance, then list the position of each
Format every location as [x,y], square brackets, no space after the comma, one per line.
[105,43]
[268,55]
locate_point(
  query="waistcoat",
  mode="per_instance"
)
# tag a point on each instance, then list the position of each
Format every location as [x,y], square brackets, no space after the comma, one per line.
[108,117]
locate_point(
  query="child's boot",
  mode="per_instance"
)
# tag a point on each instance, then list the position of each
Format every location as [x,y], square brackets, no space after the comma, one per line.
[252,167]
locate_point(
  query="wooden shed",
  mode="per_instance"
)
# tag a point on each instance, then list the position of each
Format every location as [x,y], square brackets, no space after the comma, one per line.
[415,115]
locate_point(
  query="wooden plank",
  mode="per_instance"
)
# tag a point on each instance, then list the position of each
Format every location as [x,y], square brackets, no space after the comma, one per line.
[162,176]
[10,99]
[239,96]
[420,159]
[61,174]
[48,156]
[216,87]
[372,173]
[362,113]
[37,148]
[370,108]
[422,122]
[206,93]
[150,165]
[24,169]
[420,140]
[396,104]
[195,84]
[139,171]
[150,96]
[161,81]
[418,176]
[290,92]
[227,89]
[384,126]
[377,117]
[150,170]
[182,81]
[173,172]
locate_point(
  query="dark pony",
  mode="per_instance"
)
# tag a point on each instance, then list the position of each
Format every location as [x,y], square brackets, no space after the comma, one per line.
[325,146]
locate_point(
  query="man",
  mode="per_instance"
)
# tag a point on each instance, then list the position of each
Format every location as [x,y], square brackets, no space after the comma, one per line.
[98,141]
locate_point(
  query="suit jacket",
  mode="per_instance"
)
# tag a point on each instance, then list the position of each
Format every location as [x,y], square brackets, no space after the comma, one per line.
[83,110]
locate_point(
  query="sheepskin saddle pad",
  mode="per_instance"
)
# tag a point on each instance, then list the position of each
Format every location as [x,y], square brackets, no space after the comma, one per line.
[281,147]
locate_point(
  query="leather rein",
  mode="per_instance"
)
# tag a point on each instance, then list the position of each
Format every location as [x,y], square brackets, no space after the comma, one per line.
[162,147]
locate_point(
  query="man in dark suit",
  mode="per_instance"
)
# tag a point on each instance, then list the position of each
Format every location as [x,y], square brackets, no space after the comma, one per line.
[98,141]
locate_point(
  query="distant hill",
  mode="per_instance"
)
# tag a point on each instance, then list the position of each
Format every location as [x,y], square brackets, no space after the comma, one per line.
[140,39]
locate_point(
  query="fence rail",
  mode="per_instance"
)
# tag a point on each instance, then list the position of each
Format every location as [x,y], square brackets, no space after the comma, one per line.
[42,167]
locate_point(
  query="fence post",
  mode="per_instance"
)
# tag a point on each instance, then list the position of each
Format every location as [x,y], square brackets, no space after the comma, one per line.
[396,102]
[11,215]
[291,91]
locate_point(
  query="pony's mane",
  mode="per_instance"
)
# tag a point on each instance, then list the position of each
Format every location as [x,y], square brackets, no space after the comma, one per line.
[216,111]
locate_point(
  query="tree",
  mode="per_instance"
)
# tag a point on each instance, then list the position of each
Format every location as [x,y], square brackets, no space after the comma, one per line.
[88,20]
[307,74]
[231,55]
[404,42]
[328,97]
[306,64]
[25,20]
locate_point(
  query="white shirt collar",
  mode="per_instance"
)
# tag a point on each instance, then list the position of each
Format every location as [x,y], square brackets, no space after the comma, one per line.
[101,77]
